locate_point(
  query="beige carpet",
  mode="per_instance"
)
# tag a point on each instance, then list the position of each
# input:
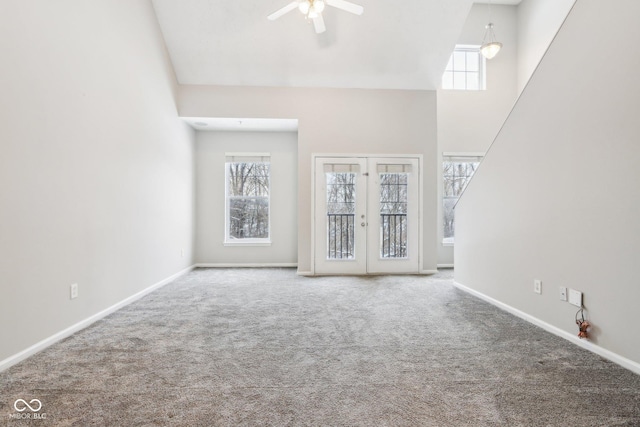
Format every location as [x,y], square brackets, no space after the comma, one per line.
[263,347]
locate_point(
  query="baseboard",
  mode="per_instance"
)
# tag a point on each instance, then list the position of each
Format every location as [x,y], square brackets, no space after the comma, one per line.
[19,357]
[445,265]
[588,345]
[421,272]
[247,265]
[304,273]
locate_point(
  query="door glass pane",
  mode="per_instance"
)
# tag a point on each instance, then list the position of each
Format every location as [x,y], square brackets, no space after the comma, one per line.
[393,215]
[341,209]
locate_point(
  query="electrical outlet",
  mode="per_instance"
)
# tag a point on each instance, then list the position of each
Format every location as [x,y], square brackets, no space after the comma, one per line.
[563,293]
[74,291]
[537,286]
[575,297]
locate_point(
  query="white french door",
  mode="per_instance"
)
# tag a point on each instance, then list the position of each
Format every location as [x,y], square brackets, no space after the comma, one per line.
[366,215]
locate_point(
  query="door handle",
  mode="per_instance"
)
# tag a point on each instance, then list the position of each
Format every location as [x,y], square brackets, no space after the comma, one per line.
[363,224]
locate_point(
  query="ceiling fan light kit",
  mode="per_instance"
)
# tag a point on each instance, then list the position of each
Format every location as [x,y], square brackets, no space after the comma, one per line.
[312,9]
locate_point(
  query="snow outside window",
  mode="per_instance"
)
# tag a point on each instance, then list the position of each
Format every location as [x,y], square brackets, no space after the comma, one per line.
[248,178]
[457,172]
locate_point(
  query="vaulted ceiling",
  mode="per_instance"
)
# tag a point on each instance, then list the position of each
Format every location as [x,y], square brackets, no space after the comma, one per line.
[392,45]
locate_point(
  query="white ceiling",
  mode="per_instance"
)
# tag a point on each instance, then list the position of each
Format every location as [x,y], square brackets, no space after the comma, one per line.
[392,45]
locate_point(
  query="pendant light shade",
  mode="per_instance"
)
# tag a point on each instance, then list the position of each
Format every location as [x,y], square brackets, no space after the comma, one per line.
[490,47]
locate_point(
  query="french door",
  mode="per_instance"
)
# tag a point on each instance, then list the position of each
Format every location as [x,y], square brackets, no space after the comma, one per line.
[366,215]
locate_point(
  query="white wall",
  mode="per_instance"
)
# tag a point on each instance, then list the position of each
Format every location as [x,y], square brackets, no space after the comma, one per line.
[96,169]
[538,23]
[468,121]
[210,208]
[336,121]
[556,198]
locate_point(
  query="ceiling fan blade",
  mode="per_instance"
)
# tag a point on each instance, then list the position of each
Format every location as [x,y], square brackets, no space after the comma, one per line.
[346,6]
[278,13]
[319,24]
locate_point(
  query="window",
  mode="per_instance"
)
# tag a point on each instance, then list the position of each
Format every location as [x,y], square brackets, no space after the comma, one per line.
[465,70]
[247,198]
[393,210]
[341,209]
[457,172]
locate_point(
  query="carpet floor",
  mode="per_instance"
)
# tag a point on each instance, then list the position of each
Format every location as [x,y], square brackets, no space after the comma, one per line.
[264,347]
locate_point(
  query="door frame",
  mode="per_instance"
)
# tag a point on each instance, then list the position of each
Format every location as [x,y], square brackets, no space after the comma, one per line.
[367,156]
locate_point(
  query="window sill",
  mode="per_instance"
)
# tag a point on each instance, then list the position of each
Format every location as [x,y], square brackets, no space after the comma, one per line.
[247,243]
[447,244]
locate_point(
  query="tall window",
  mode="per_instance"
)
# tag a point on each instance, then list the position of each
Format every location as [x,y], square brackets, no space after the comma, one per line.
[457,172]
[465,70]
[248,178]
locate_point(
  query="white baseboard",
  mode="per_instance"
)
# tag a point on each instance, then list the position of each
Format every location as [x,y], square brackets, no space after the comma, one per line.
[588,345]
[445,265]
[19,357]
[247,265]
[311,274]
[304,273]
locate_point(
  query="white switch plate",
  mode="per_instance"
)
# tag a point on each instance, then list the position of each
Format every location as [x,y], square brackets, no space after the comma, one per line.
[74,291]
[537,286]
[575,297]
[563,293]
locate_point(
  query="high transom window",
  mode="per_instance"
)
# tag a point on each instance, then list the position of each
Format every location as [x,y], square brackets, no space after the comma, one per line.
[465,69]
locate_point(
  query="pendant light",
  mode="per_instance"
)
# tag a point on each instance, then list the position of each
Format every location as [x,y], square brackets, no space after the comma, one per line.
[490,47]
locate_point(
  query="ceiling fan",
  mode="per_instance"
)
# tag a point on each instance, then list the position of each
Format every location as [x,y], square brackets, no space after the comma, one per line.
[312,9]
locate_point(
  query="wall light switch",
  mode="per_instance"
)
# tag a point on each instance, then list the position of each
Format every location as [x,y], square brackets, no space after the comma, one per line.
[74,291]
[563,293]
[537,286]
[575,297]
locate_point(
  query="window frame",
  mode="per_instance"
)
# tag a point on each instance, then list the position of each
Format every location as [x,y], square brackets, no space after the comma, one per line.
[482,69]
[456,157]
[245,158]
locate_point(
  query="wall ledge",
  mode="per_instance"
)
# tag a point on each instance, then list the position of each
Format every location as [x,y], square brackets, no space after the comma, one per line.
[587,345]
[47,342]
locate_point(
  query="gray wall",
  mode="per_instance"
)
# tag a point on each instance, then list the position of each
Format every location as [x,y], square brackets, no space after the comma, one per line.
[355,121]
[538,23]
[556,198]
[96,175]
[468,121]
[210,207]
